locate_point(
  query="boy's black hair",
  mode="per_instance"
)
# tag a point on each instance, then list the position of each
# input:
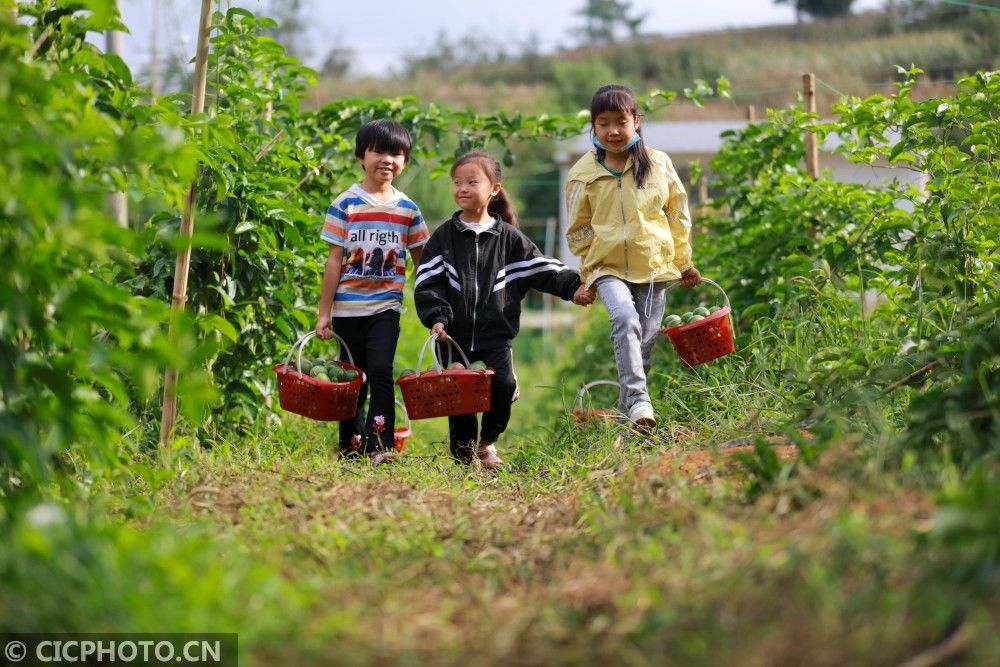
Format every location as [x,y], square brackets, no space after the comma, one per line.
[384,135]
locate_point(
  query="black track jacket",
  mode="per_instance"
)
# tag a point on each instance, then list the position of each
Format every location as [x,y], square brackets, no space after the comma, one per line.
[474,285]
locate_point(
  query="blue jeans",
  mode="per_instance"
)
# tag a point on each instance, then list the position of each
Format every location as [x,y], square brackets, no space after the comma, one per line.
[635,310]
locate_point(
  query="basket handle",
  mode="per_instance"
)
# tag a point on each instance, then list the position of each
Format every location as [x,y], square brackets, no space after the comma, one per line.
[585,389]
[300,345]
[402,410]
[675,284]
[437,363]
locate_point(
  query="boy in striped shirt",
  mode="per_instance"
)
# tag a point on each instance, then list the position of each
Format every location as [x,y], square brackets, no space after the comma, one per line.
[370,228]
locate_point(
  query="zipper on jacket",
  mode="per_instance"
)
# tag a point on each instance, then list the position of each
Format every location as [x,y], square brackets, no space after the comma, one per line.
[621,201]
[475,302]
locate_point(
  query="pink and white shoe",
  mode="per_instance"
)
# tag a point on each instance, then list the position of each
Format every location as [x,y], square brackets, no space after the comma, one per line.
[380,457]
[487,455]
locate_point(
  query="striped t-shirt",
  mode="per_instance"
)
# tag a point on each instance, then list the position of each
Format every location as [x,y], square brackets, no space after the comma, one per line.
[375,237]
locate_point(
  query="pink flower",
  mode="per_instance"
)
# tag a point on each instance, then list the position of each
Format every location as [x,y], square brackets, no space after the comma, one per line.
[379,423]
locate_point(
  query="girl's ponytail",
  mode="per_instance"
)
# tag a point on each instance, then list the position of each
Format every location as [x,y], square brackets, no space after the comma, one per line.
[641,162]
[500,205]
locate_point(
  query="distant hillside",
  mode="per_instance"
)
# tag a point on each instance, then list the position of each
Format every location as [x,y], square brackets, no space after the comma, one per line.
[854,55]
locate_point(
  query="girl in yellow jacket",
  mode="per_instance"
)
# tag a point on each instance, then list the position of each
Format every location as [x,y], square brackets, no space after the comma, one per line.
[629,224]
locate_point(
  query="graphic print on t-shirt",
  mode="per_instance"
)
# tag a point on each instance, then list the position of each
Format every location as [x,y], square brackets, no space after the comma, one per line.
[373,260]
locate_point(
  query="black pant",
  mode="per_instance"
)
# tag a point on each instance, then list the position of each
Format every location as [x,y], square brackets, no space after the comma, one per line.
[372,341]
[462,428]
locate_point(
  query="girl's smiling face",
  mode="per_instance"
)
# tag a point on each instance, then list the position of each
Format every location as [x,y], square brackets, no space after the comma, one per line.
[472,188]
[614,129]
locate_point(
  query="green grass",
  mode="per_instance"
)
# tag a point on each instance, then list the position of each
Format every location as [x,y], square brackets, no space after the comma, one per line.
[597,545]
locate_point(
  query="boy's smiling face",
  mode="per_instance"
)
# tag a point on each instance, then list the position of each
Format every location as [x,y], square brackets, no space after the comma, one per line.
[382,166]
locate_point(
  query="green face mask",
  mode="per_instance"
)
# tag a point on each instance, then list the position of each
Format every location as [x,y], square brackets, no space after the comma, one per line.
[632,142]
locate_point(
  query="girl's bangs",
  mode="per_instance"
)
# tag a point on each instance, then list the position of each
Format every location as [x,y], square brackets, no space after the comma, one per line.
[613,100]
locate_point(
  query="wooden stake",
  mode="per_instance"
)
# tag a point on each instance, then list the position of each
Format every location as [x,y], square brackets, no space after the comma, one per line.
[751,114]
[264,151]
[268,106]
[38,43]
[812,150]
[183,263]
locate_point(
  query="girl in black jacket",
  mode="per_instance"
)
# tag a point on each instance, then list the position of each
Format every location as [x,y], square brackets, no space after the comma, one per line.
[475,271]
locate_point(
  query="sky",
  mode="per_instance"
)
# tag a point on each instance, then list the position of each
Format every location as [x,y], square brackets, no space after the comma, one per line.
[381,32]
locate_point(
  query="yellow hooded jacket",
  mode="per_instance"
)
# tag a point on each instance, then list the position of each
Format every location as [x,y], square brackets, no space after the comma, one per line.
[617,229]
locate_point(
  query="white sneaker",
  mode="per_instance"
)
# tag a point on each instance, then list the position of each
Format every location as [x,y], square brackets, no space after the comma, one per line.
[641,414]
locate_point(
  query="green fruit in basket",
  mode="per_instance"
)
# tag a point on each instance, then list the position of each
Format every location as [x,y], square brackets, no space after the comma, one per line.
[407,371]
[477,366]
[696,318]
[349,374]
[322,376]
[701,310]
[714,309]
[456,366]
[672,321]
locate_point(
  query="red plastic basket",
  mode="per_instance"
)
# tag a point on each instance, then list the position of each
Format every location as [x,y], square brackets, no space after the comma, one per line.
[706,339]
[442,392]
[585,415]
[305,395]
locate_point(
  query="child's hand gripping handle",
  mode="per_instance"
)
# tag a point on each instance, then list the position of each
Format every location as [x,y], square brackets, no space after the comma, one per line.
[438,331]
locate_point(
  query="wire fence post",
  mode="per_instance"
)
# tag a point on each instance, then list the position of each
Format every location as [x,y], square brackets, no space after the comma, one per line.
[812,150]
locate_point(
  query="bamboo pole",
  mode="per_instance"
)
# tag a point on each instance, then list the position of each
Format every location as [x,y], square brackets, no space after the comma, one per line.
[154,53]
[117,201]
[186,230]
[267,115]
[812,150]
